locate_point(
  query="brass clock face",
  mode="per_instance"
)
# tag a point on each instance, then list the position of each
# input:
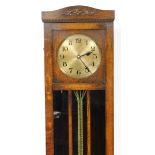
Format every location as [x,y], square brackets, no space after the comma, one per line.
[79,56]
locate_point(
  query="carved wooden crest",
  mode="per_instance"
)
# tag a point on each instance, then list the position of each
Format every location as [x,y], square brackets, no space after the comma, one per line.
[78,12]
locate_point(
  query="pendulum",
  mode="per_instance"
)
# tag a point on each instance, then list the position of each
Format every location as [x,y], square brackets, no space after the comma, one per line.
[79,98]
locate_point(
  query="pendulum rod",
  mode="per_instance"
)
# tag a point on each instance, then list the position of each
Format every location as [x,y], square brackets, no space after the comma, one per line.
[70,122]
[79,97]
[88,124]
[81,127]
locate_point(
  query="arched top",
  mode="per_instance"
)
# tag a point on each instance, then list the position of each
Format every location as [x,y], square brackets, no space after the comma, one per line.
[77,14]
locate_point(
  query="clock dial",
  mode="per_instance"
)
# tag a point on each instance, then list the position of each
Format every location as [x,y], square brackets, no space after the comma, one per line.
[79,56]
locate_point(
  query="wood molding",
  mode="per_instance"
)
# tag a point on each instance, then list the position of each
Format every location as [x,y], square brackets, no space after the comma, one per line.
[78,86]
[77,14]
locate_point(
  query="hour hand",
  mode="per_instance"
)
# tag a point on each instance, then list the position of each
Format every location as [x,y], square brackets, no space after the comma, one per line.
[87,54]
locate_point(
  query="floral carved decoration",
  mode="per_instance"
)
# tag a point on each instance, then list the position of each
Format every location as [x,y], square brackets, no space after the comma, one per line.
[78,12]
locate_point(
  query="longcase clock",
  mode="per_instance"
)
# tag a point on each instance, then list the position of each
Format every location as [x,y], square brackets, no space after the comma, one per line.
[78,49]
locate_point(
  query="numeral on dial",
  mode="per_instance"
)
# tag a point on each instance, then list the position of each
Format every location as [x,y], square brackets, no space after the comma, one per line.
[87,70]
[92,48]
[70,42]
[65,49]
[64,64]
[93,63]
[78,40]
[70,70]
[78,72]
[95,56]
[62,56]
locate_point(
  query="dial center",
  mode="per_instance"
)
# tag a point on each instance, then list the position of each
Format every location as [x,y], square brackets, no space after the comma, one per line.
[78,57]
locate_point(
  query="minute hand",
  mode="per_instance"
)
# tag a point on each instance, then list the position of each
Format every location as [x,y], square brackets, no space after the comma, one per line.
[87,54]
[85,65]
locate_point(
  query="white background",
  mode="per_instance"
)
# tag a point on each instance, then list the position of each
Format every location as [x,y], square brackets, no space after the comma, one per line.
[22,76]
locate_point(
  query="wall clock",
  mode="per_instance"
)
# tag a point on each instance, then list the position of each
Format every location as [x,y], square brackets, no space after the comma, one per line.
[78,48]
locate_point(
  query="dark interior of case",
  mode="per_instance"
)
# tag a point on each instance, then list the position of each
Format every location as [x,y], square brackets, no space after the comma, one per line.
[61,127]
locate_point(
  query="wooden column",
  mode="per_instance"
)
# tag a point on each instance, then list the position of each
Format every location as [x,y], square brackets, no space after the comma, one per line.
[88,125]
[48,91]
[70,122]
[109,109]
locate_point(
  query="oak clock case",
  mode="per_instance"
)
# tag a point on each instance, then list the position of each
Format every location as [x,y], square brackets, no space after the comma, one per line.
[78,46]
